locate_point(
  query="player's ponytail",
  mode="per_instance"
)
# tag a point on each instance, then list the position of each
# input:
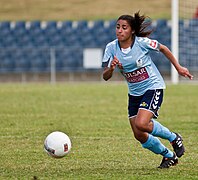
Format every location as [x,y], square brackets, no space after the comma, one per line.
[141,25]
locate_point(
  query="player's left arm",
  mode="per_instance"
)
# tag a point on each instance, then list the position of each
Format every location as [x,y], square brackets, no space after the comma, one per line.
[180,69]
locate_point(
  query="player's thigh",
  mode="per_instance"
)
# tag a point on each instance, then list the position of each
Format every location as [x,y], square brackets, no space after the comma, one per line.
[138,134]
[143,120]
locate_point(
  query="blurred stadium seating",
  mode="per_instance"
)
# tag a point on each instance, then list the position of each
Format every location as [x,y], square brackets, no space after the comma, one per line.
[25,46]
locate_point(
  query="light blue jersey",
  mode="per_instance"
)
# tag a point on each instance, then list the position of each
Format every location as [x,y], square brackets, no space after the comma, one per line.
[139,70]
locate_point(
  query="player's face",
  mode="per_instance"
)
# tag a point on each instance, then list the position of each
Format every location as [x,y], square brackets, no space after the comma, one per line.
[123,31]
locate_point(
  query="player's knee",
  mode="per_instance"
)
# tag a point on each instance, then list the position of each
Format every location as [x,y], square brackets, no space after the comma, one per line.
[141,125]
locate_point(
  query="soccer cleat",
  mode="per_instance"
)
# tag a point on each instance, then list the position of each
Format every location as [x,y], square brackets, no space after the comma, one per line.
[178,145]
[167,162]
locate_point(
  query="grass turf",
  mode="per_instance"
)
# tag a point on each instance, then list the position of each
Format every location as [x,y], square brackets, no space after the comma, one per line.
[81,9]
[94,115]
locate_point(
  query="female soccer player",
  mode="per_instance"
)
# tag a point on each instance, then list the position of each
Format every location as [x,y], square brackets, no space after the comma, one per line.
[130,53]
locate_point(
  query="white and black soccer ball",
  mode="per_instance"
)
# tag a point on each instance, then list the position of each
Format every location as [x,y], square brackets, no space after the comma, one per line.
[57,144]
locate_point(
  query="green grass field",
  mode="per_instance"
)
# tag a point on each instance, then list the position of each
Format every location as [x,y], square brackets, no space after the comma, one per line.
[94,115]
[80,9]
[13,10]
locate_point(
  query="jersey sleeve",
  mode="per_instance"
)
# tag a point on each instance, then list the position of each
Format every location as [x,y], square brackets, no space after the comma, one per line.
[108,56]
[150,44]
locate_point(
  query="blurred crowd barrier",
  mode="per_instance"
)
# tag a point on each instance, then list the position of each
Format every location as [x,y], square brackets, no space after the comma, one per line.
[76,47]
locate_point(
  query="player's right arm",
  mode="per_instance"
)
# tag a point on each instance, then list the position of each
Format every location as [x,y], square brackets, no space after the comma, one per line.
[108,71]
[110,61]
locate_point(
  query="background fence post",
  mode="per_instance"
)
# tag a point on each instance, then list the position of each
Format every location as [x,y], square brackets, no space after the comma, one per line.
[52,66]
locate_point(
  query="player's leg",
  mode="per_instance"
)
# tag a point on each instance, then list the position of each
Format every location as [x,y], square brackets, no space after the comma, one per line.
[152,143]
[161,131]
[174,138]
[151,101]
[140,119]
[141,125]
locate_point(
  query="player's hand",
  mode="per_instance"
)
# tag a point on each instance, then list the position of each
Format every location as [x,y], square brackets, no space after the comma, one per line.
[120,66]
[115,62]
[185,72]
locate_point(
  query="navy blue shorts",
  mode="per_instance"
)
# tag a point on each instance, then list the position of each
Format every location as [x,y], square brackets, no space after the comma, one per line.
[151,100]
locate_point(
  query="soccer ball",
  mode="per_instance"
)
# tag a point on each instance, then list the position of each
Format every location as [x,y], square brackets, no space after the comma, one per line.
[57,144]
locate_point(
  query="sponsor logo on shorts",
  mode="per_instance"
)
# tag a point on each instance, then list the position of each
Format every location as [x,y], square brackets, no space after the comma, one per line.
[143,104]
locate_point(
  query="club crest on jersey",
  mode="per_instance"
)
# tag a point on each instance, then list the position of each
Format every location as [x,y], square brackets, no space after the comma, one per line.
[139,62]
